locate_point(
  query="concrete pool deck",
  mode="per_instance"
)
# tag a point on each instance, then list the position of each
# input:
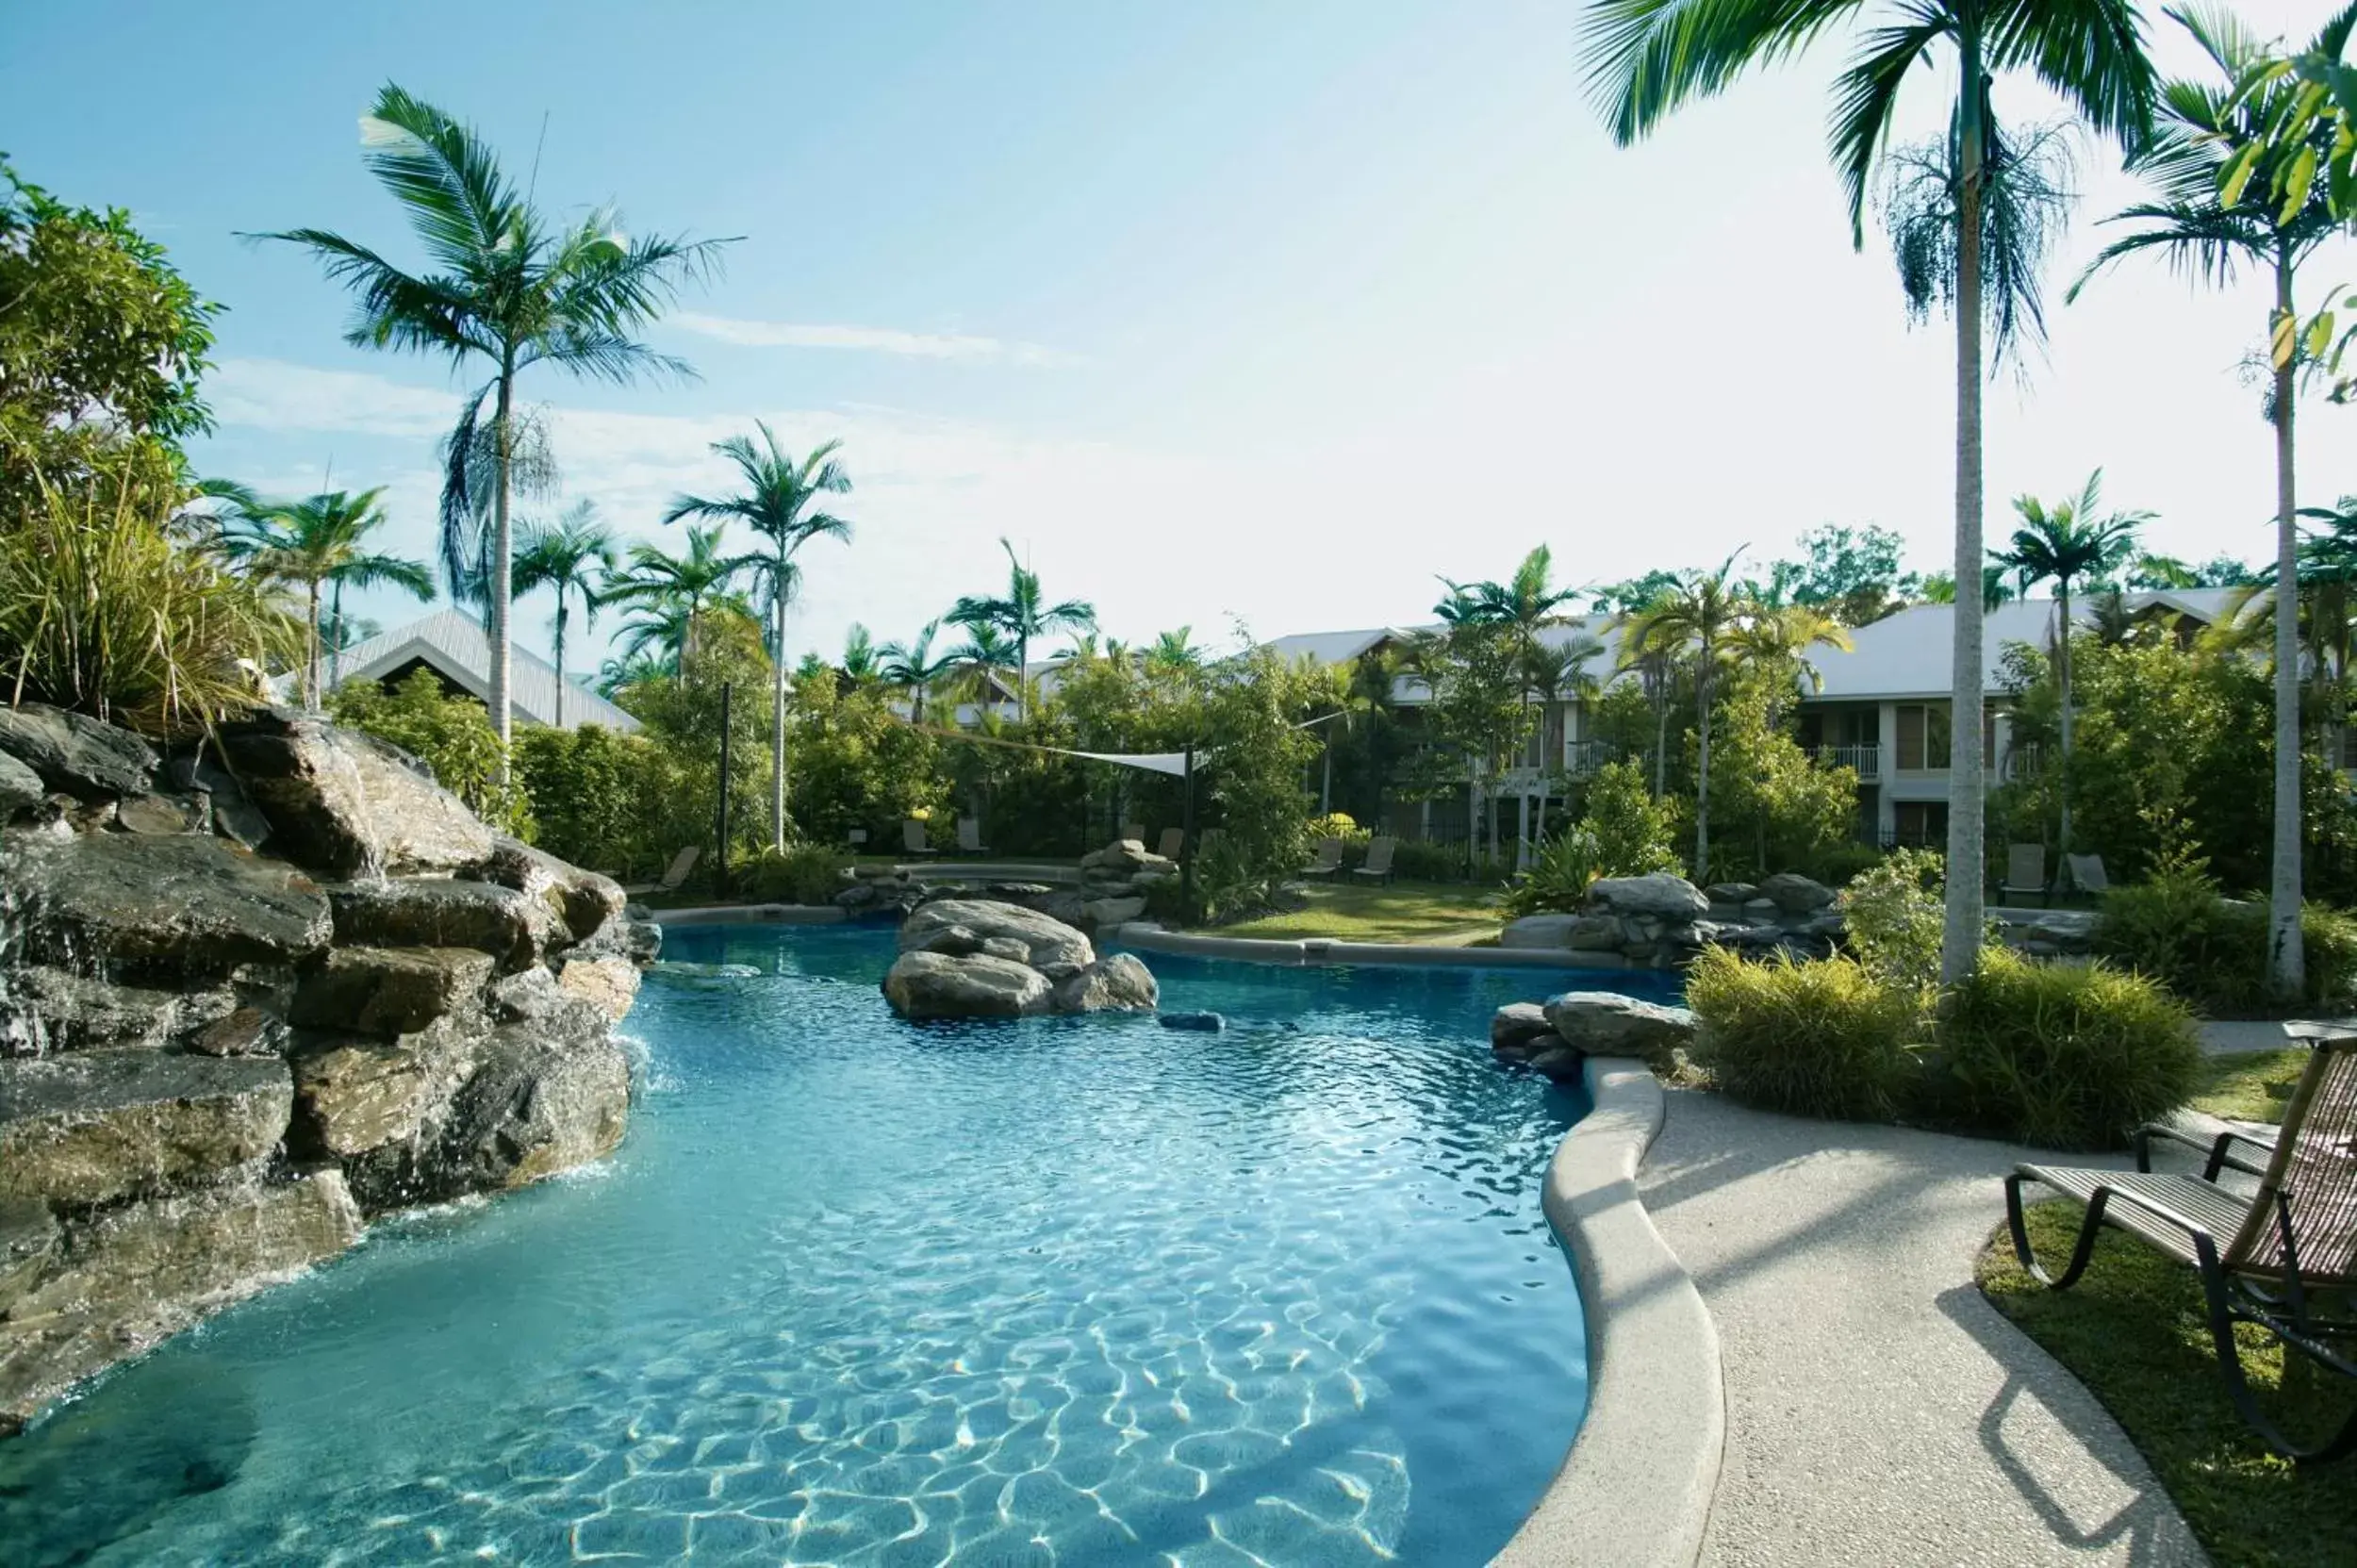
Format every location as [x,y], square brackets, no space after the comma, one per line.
[1878,1409]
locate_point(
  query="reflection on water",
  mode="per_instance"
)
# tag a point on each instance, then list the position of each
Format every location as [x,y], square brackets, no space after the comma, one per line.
[854,1291]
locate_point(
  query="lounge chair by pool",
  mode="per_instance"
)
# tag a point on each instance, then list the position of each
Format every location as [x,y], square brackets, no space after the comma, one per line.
[1378,865]
[673,875]
[2025,870]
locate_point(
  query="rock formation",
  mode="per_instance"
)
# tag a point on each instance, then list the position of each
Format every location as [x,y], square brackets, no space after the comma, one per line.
[979,958]
[1662,920]
[1558,1037]
[1112,890]
[250,997]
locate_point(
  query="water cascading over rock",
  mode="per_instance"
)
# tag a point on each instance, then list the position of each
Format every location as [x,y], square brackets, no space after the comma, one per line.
[255,995]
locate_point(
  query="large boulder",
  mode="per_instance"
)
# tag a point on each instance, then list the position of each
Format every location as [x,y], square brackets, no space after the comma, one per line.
[1117,983]
[21,788]
[348,805]
[1055,949]
[390,990]
[186,908]
[437,912]
[1513,1027]
[356,1095]
[133,1274]
[1539,930]
[1606,1023]
[1795,894]
[48,1010]
[610,983]
[927,985]
[94,1126]
[79,756]
[582,902]
[1657,895]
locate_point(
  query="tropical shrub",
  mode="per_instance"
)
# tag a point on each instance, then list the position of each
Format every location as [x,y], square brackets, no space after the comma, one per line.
[2068,1055]
[450,733]
[1559,876]
[1429,860]
[1822,1038]
[853,764]
[1772,807]
[604,800]
[798,874]
[1632,829]
[1893,914]
[2212,950]
[683,716]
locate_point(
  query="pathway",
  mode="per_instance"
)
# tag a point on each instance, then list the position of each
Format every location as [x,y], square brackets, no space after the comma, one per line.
[1878,1409]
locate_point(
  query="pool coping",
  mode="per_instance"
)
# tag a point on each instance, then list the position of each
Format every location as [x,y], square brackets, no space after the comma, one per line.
[1636,1485]
[1311,951]
[746,915]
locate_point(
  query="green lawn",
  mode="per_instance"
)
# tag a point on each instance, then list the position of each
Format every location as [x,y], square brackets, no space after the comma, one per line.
[1432,913]
[2251,1085]
[2134,1333]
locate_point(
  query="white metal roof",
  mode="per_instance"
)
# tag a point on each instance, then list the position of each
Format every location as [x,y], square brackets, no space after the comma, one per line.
[453,642]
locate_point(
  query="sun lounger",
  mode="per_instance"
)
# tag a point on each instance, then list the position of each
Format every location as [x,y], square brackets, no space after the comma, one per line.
[913,836]
[1329,861]
[1174,843]
[2087,873]
[2025,870]
[2283,1257]
[676,873]
[1378,865]
[969,836]
[1133,830]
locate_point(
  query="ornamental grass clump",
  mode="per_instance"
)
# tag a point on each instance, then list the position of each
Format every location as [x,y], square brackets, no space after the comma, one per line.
[1822,1038]
[2066,1055]
[2213,950]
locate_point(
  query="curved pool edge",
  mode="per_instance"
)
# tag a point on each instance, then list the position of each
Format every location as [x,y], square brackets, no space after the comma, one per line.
[1636,1484]
[1309,951]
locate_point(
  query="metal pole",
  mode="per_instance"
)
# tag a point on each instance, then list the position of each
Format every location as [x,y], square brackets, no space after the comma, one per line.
[721,875]
[1186,842]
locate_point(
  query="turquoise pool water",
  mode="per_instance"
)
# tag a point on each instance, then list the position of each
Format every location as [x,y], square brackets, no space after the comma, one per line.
[1072,1290]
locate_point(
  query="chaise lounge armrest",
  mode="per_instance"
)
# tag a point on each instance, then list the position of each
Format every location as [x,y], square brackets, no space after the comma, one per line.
[2217,1152]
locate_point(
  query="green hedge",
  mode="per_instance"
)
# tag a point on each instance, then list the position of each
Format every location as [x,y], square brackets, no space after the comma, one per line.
[2212,952]
[2068,1055]
[1824,1038]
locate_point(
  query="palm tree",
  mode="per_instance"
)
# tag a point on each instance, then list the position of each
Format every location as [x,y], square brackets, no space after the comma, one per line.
[2062,543]
[1526,604]
[1650,55]
[1023,614]
[2209,223]
[977,662]
[510,289]
[777,503]
[1173,656]
[911,667]
[862,662]
[1694,619]
[1775,639]
[672,592]
[559,557]
[321,541]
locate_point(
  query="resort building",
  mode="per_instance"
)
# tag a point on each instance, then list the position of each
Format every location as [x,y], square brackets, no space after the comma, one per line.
[451,643]
[1881,708]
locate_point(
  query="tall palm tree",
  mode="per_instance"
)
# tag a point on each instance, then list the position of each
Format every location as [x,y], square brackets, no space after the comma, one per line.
[321,541]
[1023,613]
[2209,223]
[1173,656]
[977,662]
[2063,543]
[1650,55]
[509,288]
[1524,604]
[673,592]
[777,503]
[1776,640]
[912,667]
[1693,620]
[863,661]
[559,557]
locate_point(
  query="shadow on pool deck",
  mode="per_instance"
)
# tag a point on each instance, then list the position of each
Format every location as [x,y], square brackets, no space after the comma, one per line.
[1878,1409]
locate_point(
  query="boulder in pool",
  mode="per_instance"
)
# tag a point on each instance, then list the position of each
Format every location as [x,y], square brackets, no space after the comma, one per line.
[977,958]
[1606,1023]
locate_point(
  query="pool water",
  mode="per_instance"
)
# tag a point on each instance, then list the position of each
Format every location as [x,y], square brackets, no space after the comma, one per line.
[1067,1290]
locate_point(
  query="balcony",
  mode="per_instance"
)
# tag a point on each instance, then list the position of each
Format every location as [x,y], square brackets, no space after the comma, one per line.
[1866,761]
[1581,758]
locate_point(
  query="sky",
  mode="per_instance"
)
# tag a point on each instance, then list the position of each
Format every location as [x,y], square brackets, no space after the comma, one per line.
[1246,318]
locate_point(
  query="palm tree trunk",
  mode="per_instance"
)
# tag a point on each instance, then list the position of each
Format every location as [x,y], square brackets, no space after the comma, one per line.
[2062,674]
[2286,961]
[1960,937]
[503,571]
[336,644]
[560,655]
[777,708]
[1702,780]
[1022,684]
[311,648]
[1661,735]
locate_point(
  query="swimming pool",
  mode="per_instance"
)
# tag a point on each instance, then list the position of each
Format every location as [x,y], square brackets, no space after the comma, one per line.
[1065,1291]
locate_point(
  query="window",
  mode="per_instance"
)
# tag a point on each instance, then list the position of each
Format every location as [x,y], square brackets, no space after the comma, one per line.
[1920,824]
[1922,737]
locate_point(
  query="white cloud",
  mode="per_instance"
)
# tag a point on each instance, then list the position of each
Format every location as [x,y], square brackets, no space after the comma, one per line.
[872,340]
[274,394]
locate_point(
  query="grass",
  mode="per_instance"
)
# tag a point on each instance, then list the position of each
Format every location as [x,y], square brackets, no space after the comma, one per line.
[2134,1333]
[2251,1085]
[1438,913]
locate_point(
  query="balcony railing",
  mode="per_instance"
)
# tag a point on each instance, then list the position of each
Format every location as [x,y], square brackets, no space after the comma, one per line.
[1581,758]
[1866,761]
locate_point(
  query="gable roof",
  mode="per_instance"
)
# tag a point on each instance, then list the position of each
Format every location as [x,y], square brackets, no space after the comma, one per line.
[453,642]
